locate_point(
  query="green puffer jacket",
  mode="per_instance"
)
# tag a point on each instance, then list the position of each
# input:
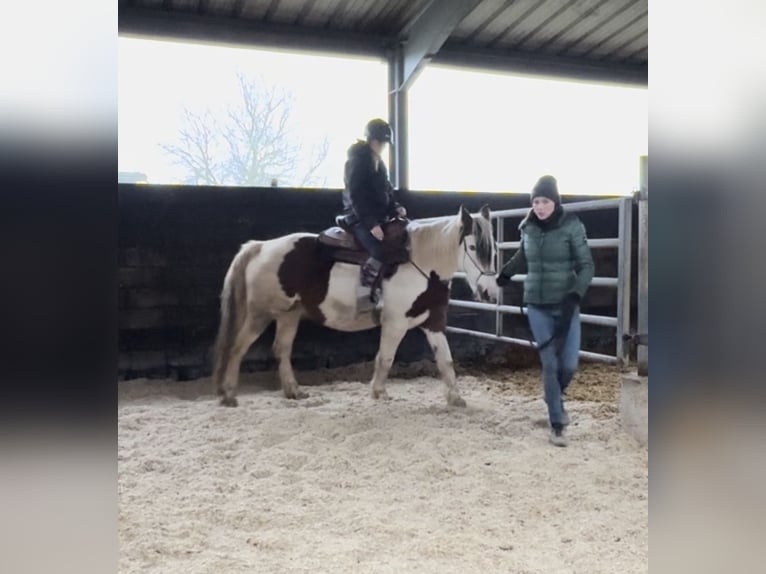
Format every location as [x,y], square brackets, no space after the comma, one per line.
[555,256]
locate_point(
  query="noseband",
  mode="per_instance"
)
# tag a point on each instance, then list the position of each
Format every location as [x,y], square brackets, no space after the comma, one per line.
[472,260]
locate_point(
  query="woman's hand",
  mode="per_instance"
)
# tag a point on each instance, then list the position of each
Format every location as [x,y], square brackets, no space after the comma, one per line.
[502,280]
[377,232]
[568,307]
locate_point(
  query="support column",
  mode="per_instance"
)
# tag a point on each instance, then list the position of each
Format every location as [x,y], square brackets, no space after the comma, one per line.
[643,269]
[419,41]
[623,272]
[634,392]
[397,109]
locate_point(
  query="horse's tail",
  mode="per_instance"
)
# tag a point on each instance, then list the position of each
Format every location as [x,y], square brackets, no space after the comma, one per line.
[233,310]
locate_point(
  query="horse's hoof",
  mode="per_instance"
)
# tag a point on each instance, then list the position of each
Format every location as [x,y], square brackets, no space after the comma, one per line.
[296,394]
[380,395]
[229,402]
[456,402]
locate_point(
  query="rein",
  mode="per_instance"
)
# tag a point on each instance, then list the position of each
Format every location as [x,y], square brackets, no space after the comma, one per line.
[416,266]
[465,254]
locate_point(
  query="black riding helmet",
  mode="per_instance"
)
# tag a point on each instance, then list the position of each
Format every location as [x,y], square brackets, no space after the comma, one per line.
[378,129]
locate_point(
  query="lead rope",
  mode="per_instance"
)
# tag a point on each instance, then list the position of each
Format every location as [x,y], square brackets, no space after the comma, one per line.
[416,266]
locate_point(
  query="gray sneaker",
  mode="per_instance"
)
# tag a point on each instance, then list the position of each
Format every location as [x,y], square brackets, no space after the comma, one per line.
[557,437]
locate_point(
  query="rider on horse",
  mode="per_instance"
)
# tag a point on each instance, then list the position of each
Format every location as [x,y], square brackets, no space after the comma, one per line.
[368,198]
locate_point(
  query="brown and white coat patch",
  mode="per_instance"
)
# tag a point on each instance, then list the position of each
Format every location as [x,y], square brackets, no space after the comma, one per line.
[293,277]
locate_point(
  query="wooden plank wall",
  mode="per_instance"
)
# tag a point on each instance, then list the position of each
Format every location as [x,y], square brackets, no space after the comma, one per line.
[175,244]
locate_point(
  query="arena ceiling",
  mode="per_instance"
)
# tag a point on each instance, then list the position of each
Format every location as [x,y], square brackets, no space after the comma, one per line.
[603,40]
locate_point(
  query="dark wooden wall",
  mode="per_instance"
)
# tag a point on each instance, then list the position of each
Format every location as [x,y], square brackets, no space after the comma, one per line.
[176,242]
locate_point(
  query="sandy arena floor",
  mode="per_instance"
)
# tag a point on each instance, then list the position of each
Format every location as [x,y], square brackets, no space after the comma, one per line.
[339,483]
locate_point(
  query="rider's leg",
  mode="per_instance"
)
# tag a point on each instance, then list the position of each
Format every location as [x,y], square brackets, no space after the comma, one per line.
[375,248]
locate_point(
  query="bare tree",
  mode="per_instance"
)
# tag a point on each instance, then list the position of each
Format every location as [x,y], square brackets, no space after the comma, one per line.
[255,146]
[197,148]
[318,155]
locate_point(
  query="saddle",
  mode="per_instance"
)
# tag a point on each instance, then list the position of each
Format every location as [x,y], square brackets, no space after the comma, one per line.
[341,245]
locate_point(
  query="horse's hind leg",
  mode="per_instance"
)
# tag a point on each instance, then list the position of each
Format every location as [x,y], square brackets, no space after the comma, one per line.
[391,334]
[287,327]
[251,330]
[438,342]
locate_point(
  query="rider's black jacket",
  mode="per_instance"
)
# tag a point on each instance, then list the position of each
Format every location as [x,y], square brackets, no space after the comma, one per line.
[368,197]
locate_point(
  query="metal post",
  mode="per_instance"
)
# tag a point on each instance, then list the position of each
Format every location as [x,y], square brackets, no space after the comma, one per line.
[643,266]
[623,274]
[499,254]
[397,109]
[621,322]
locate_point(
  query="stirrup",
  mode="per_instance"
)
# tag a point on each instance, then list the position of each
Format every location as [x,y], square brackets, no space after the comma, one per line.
[369,272]
[364,302]
[368,298]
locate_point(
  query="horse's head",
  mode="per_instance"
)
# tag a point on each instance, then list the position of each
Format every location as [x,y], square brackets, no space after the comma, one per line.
[478,253]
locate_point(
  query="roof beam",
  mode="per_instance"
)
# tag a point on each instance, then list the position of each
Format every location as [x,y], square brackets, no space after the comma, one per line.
[305,11]
[237,7]
[270,10]
[211,28]
[489,19]
[425,35]
[617,32]
[528,63]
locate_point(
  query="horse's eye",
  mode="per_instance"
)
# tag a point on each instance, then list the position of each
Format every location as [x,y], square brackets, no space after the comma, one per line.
[472,248]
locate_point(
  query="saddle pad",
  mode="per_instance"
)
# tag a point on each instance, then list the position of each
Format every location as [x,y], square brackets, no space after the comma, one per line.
[336,237]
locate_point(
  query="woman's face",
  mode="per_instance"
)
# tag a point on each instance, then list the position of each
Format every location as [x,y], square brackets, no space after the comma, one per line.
[543,207]
[377,147]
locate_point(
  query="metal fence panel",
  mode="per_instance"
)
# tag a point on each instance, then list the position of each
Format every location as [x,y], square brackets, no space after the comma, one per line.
[621,322]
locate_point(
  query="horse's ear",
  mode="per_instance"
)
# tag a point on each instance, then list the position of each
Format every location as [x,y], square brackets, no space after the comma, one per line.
[466,221]
[485,211]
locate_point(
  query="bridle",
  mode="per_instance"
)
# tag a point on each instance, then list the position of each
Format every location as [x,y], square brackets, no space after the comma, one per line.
[472,260]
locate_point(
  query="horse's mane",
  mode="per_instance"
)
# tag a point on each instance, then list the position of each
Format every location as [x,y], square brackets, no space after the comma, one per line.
[434,243]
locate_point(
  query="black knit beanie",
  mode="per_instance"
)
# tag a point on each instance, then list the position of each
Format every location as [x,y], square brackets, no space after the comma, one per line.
[546,187]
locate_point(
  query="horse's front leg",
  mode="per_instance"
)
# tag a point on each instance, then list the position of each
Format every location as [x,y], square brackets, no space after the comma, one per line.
[287,327]
[391,333]
[440,347]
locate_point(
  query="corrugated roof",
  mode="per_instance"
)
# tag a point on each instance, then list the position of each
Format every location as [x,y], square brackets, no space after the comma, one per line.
[606,35]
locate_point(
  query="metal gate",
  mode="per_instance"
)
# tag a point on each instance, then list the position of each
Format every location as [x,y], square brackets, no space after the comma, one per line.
[620,321]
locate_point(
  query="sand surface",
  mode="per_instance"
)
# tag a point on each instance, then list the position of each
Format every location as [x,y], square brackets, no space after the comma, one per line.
[340,483]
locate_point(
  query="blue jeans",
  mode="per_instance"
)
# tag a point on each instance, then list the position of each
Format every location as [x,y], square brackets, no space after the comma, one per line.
[365,237]
[559,358]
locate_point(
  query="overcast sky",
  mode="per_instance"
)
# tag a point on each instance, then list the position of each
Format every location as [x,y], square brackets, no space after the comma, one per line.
[468,130]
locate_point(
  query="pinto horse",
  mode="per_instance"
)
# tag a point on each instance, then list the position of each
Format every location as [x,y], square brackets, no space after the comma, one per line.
[297,277]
